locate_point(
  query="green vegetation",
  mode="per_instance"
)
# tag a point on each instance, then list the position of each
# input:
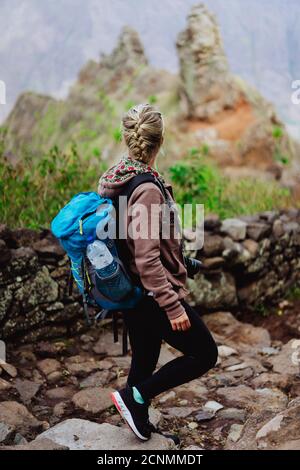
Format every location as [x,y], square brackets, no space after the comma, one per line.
[293,293]
[96,152]
[117,134]
[152,99]
[129,104]
[33,191]
[262,310]
[279,156]
[197,181]
[107,103]
[50,122]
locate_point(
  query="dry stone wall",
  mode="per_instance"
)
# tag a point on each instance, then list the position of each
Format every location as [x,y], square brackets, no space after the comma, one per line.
[248,264]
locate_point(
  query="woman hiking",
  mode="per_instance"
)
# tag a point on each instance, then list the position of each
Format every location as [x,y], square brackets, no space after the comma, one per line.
[157,262]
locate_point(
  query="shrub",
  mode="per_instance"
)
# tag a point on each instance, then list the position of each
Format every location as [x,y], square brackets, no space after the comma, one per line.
[117,134]
[152,99]
[33,191]
[197,181]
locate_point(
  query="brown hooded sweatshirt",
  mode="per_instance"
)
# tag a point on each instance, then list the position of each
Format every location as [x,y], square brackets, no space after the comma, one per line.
[157,261]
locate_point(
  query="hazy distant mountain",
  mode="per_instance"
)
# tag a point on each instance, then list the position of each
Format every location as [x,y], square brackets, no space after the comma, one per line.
[45,43]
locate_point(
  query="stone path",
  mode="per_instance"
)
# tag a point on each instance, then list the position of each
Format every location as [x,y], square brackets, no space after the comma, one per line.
[57,395]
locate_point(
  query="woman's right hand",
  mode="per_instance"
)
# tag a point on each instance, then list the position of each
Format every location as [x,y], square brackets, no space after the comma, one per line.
[181,323]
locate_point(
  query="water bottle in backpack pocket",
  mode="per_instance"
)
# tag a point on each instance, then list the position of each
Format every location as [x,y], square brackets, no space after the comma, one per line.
[108,276]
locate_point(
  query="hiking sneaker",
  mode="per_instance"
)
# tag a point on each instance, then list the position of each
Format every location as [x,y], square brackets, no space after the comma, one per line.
[133,413]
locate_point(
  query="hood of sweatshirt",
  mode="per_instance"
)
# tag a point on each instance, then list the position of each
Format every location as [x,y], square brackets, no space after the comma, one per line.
[112,181]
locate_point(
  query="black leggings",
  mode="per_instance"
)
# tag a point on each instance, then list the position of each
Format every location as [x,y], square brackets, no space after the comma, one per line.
[147,326]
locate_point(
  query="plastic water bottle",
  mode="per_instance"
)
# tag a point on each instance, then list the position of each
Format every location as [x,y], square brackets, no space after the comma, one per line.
[110,279]
[99,255]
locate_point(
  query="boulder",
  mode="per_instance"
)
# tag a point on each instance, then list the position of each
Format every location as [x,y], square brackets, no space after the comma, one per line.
[235,432]
[228,379]
[271,430]
[98,379]
[179,411]
[9,369]
[82,369]
[245,397]
[48,366]
[49,247]
[60,393]
[37,444]
[257,230]
[168,396]
[106,345]
[251,246]
[6,431]
[215,292]
[237,335]
[212,222]
[18,417]
[213,245]
[4,385]
[288,360]
[233,414]
[41,289]
[27,389]
[93,400]
[226,351]
[282,432]
[235,228]
[79,434]
[278,229]
[267,379]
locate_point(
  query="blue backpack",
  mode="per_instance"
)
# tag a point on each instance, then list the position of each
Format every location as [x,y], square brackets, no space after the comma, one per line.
[81,222]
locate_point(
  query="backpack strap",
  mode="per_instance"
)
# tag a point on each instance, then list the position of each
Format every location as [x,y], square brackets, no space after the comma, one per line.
[137,180]
[127,191]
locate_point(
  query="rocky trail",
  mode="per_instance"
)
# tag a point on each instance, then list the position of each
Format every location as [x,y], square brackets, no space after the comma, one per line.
[56,394]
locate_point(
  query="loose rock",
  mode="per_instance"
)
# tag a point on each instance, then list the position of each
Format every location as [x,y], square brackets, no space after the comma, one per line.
[9,369]
[104,436]
[235,432]
[18,417]
[93,400]
[47,366]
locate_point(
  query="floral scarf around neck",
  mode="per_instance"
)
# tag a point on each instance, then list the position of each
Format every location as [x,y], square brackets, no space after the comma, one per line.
[127,168]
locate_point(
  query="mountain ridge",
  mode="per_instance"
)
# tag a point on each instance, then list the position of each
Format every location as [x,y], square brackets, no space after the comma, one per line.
[45,52]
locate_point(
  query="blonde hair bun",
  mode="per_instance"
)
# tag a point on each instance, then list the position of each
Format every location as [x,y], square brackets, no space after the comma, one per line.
[143,131]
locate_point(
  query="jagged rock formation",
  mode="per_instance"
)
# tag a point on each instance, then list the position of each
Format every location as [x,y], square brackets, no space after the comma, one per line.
[129,54]
[28,111]
[238,126]
[91,113]
[224,112]
[113,71]
[84,31]
[208,87]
